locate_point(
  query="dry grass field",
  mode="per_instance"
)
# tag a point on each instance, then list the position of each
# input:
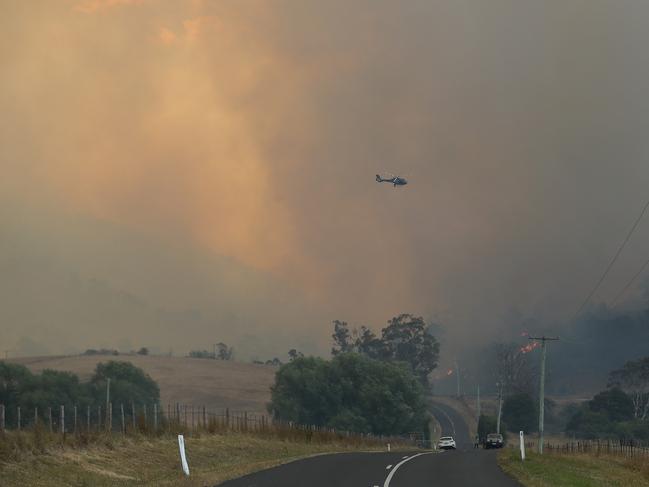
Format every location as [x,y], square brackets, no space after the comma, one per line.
[117,461]
[574,470]
[201,382]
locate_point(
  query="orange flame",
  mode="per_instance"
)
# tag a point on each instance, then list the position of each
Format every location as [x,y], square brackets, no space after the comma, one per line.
[529,347]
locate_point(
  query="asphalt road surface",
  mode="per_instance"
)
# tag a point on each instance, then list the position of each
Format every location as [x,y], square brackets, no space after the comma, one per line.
[464,467]
[453,425]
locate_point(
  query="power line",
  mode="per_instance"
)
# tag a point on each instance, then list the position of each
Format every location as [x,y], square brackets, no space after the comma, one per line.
[628,284]
[610,265]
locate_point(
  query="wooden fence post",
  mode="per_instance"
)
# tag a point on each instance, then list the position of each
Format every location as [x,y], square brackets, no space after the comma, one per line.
[133,414]
[35,416]
[121,407]
[18,417]
[62,420]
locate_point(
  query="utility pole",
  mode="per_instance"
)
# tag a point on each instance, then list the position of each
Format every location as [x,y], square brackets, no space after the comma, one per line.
[107,401]
[500,405]
[542,339]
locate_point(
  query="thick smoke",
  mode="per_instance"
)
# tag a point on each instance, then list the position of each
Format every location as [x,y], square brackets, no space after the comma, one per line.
[176,173]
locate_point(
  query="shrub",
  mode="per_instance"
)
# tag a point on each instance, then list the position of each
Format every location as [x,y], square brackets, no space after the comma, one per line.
[520,413]
[350,392]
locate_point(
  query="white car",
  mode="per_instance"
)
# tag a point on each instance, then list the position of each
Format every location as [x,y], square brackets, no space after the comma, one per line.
[446,443]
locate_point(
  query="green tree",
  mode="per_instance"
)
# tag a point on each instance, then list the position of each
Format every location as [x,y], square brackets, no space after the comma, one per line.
[223,352]
[368,344]
[486,425]
[342,338]
[128,383]
[53,388]
[14,379]
[201,354]
[293,354]
[405,340]
[520,413]
[589,424]
[350,392]
[614,403]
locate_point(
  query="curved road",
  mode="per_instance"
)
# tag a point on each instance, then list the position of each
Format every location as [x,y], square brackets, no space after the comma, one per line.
[452,425]
[464,467]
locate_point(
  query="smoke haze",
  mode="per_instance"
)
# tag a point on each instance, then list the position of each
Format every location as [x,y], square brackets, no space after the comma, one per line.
[177,173]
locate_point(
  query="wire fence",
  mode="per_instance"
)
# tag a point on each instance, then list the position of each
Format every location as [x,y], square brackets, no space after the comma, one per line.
[597,447]
[131,418]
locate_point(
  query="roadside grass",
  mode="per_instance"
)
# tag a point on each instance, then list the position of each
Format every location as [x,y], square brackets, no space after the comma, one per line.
[574,470]
[146,461]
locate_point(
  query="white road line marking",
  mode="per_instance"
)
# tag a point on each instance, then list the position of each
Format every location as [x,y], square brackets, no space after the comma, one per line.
[388,467]
[394,470]
[405,457]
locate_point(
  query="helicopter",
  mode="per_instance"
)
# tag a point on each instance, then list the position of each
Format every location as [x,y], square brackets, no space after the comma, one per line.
[395,180]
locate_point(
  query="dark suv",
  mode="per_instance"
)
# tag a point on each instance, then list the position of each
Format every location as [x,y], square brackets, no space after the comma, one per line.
[494,440]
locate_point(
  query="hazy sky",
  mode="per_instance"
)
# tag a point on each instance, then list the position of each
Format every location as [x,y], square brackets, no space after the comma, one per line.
[176,173]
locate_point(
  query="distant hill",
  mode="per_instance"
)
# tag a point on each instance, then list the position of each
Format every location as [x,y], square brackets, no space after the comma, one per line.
[200,382]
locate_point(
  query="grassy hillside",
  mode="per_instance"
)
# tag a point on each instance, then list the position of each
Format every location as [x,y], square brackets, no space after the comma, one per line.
[204,382]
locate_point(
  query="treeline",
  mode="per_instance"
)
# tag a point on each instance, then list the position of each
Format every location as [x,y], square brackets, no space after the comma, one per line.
[373,384]
[112,351]
[19,387]
[221,351]
[620,411]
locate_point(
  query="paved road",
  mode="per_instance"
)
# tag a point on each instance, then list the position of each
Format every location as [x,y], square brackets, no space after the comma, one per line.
[452,425]
[464,467]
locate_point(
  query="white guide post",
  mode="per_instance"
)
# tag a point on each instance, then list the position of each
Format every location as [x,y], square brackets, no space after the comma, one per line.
[522,443]
[183,458]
